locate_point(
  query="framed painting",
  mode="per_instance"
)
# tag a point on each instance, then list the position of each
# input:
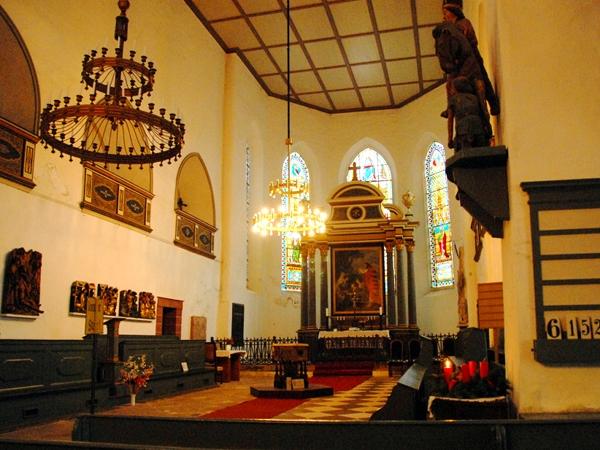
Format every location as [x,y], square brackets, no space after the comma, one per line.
[357,279]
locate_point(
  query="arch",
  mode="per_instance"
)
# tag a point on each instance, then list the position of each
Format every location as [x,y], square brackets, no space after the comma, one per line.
[22,106]
[19,106]
[438,217]
[194,207]
[359,146]
[194,192]
[291,263]
[371,167]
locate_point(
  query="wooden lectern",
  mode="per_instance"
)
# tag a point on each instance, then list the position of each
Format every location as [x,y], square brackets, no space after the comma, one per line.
[290,362]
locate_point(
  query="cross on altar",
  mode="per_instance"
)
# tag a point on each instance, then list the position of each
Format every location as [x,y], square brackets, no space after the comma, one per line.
[354,168]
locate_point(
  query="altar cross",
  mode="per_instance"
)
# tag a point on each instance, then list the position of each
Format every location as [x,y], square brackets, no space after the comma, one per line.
[354,168]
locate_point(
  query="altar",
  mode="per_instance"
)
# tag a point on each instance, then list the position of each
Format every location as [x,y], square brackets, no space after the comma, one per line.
[365,345]
[358,284]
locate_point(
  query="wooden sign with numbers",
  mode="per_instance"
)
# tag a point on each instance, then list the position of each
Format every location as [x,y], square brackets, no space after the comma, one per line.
[565,237]
[573,326]
[94,316]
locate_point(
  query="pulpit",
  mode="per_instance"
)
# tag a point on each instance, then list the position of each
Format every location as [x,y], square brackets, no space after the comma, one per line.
[290,362]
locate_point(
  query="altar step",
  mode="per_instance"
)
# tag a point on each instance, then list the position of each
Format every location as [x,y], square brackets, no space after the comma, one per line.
[340,368]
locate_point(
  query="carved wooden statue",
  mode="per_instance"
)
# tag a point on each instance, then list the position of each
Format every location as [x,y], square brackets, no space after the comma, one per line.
[128,304]
[456,59]
[80,292]
[22,283]
[464,110]
[452,12]
[147,305]
[109,297]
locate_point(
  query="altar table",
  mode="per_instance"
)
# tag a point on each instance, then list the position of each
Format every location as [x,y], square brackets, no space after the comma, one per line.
[230,360]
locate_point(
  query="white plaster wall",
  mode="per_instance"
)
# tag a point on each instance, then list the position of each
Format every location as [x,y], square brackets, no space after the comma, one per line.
[80,246]
[549,75]
[328,143]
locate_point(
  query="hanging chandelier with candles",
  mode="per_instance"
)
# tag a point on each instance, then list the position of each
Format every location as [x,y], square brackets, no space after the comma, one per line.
[294,216]
[111,128]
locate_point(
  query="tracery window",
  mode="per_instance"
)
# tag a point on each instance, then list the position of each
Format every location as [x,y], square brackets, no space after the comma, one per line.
[438,217]
[291,262]
[373,168]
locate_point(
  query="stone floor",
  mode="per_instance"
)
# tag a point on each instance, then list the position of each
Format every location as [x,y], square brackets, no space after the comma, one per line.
[342,406]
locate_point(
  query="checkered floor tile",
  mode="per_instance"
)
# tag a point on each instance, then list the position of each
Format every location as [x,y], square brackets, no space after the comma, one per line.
[358,403]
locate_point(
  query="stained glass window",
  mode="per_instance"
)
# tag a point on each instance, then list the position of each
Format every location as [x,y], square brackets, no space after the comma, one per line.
[438,217]
[291,263]
[373,167]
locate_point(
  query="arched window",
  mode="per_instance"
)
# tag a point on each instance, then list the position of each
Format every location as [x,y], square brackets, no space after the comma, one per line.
[438,217]
[373,167]
[291,263]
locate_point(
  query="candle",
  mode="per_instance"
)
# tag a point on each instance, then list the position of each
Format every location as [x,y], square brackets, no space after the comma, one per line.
[472,368]
[448,369]
[380,310]
[464,370]
[484,369]
[327,312]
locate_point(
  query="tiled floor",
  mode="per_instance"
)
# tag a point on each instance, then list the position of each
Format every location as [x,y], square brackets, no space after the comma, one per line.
[356,404]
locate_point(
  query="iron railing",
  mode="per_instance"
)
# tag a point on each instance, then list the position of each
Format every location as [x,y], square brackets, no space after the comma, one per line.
[259,350]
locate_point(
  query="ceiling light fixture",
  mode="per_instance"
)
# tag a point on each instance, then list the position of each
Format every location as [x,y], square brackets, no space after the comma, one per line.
[294,217]
[113,129]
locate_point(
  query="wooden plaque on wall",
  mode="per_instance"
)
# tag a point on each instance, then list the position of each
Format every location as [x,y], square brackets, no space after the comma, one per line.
[490,305]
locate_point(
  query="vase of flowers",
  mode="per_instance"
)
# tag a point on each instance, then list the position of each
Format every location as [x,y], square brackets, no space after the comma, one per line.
[135,373]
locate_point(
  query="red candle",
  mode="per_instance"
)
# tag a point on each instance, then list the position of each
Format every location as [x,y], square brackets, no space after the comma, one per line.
[466,376]
[484,369]
[472,368]
[448,369]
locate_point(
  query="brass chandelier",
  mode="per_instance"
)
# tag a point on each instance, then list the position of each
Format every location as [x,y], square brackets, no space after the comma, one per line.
[294,216]
[111,128]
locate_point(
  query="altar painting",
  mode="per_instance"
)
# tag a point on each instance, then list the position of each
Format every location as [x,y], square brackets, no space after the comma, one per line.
[358,280]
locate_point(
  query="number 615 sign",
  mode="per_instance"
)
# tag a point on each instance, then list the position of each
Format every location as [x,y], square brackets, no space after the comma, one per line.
[573,327]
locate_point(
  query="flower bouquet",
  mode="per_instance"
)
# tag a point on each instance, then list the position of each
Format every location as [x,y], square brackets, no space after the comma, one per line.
[135,373]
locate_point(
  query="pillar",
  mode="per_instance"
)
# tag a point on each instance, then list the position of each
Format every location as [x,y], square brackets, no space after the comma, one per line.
[323,287]
[412,301]
[304,287]
[312,291]
[391,305]
[400,284]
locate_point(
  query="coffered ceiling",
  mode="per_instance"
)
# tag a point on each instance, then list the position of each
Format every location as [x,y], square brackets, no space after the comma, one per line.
[345,55]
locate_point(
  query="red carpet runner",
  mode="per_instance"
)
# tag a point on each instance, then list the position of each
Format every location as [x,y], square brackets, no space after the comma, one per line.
[266,408]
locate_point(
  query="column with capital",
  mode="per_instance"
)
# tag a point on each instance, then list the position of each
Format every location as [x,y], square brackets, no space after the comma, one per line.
[391,305]
[312,291]
[323,249]
[400,284]
[412,301]
[304,287]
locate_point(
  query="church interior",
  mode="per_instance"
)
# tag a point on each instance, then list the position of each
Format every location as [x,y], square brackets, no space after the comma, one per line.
[143,142]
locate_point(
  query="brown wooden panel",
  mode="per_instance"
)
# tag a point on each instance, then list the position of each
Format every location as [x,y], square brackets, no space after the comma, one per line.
[490,305]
